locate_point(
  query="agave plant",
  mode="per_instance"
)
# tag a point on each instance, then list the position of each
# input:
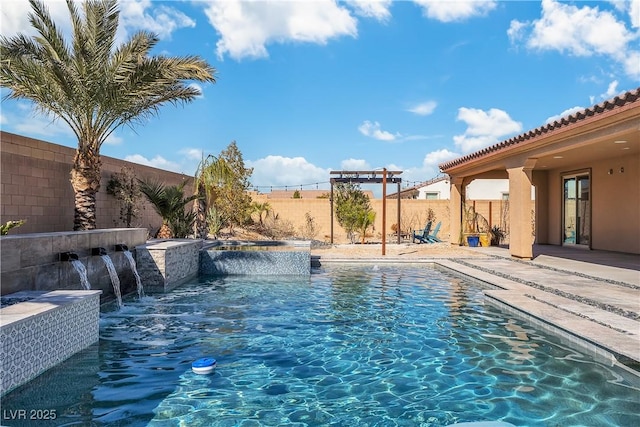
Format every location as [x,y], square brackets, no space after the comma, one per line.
[170,203]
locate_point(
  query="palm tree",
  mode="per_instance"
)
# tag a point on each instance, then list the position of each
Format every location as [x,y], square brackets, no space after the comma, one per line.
[212,172]
[169,202]
[92,85]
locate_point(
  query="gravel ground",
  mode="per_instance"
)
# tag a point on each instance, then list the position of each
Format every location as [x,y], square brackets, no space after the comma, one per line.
[392,250]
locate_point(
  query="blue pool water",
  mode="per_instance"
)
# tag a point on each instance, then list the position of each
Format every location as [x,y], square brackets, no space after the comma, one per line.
[348,346]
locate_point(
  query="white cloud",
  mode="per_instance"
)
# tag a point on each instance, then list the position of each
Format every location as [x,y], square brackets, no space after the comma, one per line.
[354,165]
[113,140]
[377,9]
[134,15]
[157,162]
[38,124]
[581,31]
[246,28]
[563,114]
[278,171]
[452,11]
[192,153]
[161,20]
[429,167]
[634,12]
[198,88]
[424,108]
[484,128]
[372,129]
[14,20]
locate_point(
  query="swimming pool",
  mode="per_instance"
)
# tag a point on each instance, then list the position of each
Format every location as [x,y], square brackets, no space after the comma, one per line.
[351,345]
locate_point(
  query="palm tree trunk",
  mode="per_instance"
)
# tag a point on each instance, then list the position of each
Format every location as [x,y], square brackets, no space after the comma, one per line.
[85,180]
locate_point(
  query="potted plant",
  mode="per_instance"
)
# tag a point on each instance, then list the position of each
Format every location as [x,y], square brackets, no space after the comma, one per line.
[470,229]
[497,235]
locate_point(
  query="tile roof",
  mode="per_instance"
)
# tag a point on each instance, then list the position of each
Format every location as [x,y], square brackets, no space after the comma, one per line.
[608,105]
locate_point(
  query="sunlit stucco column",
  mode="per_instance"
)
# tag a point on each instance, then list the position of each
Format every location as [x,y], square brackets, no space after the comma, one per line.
[455,209]
[520,238]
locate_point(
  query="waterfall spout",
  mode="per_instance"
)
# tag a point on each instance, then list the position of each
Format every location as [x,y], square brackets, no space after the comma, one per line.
[98,251]
[82,272]
[68,256]
[121,247]
[115,280]
[132,263]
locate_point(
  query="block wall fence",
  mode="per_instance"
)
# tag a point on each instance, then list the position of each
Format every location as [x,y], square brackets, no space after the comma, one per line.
[35,186]
[35,183]
[413,216]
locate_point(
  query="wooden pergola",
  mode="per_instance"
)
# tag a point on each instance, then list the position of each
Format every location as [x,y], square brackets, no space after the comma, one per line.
[370,177]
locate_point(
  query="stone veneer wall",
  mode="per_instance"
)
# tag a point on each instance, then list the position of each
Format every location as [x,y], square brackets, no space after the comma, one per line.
[257,258]
[165,264]
[39,334]
[31,262]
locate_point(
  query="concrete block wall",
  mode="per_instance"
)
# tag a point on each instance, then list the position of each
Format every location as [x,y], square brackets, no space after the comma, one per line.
[34,179]
[413,215]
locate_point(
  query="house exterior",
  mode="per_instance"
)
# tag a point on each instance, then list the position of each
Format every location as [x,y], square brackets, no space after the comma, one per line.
[439,189]
[584,169]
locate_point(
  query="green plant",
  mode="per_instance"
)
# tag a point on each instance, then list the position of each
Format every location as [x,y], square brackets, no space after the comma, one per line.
[431,215]
[276,228]
[296,195]
[231,198]
[261,208]
[214,222]
[365,220]
[93,84]
[309,231]
[497,235]
[212,173]
[4,228]
[352,207]
[170,202]
[125,188]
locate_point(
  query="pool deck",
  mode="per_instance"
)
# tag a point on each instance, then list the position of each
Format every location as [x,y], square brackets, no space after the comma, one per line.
[589,298]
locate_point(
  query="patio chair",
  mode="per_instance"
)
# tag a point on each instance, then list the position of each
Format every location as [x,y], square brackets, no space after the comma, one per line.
[421,235]
[433,236]
[427,236]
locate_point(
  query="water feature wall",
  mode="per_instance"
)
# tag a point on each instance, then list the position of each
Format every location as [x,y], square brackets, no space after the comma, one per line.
[31,262]
[43,331]
[165,264]
[260,258]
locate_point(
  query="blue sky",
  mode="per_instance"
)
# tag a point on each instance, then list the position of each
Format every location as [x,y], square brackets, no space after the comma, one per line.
[306,87]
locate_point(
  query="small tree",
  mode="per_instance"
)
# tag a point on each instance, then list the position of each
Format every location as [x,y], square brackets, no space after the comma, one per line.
[296,195]
[365,220]
[231,199]
[125,188]
[352,206]
[309,230]
[212,173]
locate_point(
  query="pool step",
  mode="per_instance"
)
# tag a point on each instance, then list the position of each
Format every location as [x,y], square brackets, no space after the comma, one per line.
[575,321]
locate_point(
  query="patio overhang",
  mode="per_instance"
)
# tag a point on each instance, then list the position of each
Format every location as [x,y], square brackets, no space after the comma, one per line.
[605,131]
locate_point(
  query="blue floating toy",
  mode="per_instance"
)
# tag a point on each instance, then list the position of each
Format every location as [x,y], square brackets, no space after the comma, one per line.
[204,366]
